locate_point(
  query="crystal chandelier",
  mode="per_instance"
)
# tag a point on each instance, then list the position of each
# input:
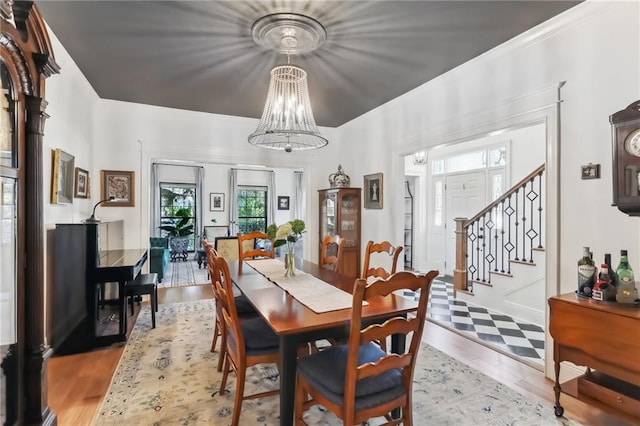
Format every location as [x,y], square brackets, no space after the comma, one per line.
[287,121]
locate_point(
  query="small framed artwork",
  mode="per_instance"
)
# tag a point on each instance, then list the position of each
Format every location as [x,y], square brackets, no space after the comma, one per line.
[590,171]
[283,202]
[373,191]
[213,232]
[120,185]
[62,169]
[216,202]
[81,184]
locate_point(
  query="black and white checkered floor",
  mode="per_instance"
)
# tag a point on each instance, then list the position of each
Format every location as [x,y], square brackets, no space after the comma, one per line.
[509,335]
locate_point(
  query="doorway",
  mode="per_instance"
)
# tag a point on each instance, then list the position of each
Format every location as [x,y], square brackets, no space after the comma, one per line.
[176,198]
[465,196]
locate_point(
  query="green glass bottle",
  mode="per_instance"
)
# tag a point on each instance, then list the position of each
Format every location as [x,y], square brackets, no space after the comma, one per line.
[626,292]
[586,273]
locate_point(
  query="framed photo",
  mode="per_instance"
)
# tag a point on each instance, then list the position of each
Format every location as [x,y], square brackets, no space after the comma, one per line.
[283,202]
[227,247]
[213,232]
[216,202]
[373,191]
[120,185]
[62,177]
[590,171]
[81,183]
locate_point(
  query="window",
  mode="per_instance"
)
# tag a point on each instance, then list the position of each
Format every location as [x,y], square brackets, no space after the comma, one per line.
[252,209]
[173,197]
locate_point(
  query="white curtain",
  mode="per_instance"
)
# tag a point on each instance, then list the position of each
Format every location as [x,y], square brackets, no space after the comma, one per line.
[154,223]
[200,201]
[299,194]
[233,202]
[271,198]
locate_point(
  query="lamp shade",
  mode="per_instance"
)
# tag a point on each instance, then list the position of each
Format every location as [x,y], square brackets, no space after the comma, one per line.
[287,121]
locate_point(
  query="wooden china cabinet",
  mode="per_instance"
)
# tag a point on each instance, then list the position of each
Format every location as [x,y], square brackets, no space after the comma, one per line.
[340,215]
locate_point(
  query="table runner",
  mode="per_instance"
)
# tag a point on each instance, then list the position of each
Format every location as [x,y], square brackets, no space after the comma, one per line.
[312,292]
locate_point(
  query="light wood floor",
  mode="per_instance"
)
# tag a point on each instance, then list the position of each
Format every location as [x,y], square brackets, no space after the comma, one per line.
[77,383]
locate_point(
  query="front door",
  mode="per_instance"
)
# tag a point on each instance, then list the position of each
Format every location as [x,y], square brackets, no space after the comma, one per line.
[465,196]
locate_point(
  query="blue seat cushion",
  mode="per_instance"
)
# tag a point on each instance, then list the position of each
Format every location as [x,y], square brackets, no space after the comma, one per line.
[258,335]
[326,371]
[243,306]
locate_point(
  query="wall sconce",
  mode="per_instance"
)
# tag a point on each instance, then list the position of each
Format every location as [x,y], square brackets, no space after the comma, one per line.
[420,157]
[93,218]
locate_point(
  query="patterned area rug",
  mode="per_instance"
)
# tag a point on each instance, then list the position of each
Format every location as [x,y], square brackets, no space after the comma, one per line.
[181,273]
[168,376]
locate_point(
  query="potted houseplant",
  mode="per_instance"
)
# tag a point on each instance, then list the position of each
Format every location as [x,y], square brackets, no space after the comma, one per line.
[179,232]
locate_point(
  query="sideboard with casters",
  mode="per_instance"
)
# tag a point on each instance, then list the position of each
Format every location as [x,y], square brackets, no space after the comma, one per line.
[604,337]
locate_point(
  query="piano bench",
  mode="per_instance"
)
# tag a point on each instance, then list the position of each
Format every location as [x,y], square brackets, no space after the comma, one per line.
[144,284]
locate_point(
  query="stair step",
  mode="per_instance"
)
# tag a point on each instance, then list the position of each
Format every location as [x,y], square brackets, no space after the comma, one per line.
[484,283]
[523,262]
[504,274]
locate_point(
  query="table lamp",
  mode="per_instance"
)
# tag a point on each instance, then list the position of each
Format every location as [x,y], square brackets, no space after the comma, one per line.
[93,218]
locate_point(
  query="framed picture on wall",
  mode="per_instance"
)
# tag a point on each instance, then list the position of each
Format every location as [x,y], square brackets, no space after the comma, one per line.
[373,191]
[120,185]
[283,202]
[62,176]
[81,183]
[216,202]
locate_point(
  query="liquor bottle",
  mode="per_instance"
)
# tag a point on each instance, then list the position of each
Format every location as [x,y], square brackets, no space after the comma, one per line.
[612,272]
[586,273]
[626,292]
[601,289]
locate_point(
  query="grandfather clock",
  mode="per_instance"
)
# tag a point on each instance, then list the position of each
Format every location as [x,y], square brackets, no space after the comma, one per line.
[26,60]
[626,159]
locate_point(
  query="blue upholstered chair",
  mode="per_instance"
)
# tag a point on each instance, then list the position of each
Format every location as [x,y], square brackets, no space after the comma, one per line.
[158,256]
[359,380]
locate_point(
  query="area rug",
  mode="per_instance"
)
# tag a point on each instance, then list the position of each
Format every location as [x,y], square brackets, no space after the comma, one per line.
[185,273]
[167,375]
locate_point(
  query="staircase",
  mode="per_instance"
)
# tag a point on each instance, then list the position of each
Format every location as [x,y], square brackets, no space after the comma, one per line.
[520,294]
[500,262]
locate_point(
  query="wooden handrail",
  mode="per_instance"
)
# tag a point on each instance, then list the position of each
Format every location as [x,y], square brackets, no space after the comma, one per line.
[506,195]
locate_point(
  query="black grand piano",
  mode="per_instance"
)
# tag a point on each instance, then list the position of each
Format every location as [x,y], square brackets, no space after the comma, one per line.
[91,267]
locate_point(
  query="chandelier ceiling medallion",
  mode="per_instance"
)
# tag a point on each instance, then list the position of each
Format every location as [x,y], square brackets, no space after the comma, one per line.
[287,121]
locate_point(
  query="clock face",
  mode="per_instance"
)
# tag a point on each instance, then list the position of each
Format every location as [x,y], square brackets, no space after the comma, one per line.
[632,143]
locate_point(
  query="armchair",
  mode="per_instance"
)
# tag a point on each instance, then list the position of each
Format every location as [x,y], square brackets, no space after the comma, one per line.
[158,256]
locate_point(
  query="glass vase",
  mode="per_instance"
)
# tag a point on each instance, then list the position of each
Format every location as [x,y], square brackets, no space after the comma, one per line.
[289,260]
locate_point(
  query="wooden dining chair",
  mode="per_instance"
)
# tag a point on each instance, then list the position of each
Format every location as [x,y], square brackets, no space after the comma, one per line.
[251,251]
[243,306]
[384,247]
[247,343]
[359,381]
[331,252]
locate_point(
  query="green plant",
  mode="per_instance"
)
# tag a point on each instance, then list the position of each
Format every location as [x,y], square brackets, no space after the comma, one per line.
[181,226]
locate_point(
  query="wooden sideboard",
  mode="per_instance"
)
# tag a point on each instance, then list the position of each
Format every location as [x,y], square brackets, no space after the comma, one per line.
[605,338]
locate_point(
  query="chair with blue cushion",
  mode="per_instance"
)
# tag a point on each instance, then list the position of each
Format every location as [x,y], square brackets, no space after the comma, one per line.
[158,256]
[383,254]
[359,380]
[254,245]
[244,308]
[331,252]
[247,342]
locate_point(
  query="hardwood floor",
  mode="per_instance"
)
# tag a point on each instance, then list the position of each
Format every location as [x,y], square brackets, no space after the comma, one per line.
[77,383]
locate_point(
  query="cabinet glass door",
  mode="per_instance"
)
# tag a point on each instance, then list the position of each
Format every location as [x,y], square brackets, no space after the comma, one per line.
[328,216]
[349,219]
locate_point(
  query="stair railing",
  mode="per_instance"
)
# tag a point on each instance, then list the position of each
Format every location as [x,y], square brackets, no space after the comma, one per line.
[508,229]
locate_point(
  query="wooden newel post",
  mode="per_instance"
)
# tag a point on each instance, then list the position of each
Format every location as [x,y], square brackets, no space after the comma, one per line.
[460,271]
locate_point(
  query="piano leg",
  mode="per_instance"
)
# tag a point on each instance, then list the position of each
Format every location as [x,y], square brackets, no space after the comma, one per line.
[122,309]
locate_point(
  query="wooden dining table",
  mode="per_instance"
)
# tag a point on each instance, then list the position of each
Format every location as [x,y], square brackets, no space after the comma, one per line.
[296,324]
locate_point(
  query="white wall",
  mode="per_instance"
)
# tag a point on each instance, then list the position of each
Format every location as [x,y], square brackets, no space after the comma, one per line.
[595,47]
